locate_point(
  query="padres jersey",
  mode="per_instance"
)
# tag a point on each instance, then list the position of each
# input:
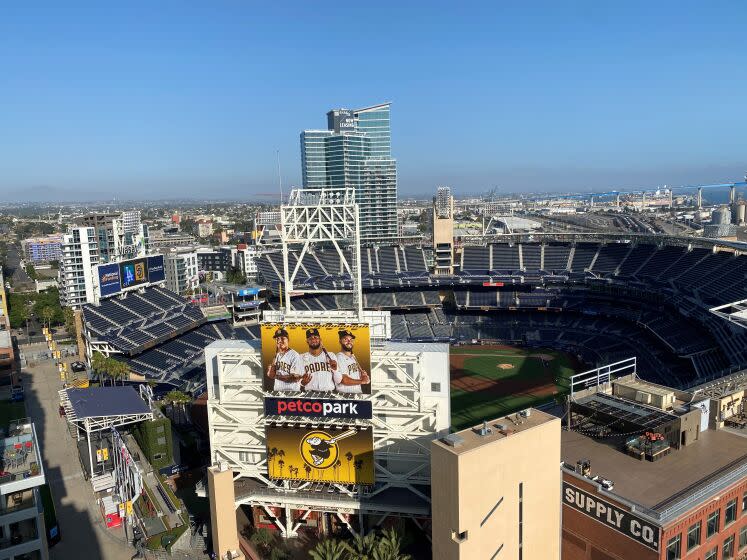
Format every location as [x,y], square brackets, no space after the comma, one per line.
[320,371]
[347,365]
[287,364]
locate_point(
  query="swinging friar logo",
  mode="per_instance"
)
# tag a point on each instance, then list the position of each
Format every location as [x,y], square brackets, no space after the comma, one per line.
[611,515]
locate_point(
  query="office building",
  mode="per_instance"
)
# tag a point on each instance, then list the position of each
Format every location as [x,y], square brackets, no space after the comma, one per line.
[120,235]
[80,253]
[355,151]
[181,270]
[43,249]
[443,231]
[495,488]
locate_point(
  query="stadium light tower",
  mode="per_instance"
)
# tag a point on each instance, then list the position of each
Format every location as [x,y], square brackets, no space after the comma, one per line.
[326,217]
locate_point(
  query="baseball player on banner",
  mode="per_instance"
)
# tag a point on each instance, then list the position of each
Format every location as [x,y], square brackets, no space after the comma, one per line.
[349,375]
[318,364]
[286,368]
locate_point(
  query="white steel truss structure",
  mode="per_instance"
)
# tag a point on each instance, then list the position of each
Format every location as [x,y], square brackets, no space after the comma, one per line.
[734,312]
[322,217]
[409,410]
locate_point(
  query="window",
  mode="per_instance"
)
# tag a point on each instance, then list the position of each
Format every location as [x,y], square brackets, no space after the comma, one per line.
[435,387]
[159,429]
[712,523]
[728,551]
[459,537]
[712,554]
[693,536]
[158,456]
[673,548]
[730,513]
[743,538]
[161,441]
[744,503]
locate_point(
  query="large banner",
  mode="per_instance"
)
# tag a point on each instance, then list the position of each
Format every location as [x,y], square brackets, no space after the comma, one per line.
[343,455]
[108,279]
[156,272]
[313,357]
[133,273]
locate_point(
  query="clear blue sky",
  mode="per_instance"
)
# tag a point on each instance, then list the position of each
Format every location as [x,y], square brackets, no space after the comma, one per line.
[160,99]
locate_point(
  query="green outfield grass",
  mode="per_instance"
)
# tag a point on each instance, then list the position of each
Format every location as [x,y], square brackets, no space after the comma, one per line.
[481,389]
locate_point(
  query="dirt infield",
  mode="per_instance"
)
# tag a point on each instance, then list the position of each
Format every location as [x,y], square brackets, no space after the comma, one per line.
[491,381]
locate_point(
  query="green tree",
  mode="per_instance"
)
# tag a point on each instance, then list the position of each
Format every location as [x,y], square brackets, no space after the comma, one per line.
[99,366]
[362,547]
[69,320]
[329,549]
[179,402]
[263,540]
[389,546]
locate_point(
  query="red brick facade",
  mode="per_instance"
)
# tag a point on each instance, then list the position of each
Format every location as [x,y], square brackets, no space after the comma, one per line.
[584,538]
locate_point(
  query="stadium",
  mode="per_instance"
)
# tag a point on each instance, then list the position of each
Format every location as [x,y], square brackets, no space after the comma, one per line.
[586,300]
[507,330]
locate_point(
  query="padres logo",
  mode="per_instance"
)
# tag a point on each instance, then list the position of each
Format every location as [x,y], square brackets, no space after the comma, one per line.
[320,450]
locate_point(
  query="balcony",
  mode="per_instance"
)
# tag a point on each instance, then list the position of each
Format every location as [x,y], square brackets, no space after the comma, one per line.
[20,463]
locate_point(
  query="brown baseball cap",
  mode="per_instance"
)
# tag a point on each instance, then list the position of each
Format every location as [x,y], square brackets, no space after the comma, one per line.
[345,333]
[280,332]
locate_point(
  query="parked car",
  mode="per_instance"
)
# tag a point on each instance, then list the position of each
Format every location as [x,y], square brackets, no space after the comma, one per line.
[77,367]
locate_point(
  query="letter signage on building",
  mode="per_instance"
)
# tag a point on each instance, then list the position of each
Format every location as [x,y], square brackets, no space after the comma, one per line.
[318,408]
[615,517]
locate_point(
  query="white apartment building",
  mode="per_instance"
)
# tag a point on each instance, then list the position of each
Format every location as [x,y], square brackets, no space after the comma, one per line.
[80,253]
[23,533]
[181,270]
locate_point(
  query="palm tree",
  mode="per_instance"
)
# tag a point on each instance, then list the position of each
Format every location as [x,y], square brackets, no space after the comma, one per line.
[281,464]
[47,314]
[271,456]
[349,457]
[307,468]
[178,401]
[389,546]
[98,363]
[328,549]
[362,547]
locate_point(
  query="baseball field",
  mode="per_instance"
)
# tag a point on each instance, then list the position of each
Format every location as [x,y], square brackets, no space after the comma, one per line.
[492,381]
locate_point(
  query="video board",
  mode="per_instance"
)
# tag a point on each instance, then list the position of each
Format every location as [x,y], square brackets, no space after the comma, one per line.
[315,357]
[341,455]
[156,271]
[133,273]
[109,279]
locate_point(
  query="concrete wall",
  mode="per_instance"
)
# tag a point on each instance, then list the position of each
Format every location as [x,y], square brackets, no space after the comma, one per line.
[477,494]
[222,511]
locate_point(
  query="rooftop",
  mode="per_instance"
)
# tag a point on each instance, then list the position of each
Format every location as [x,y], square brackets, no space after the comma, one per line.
[661,485]
[97,402]
[20,461]
[500,428]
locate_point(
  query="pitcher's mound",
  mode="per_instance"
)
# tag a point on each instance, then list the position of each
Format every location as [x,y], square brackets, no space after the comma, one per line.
[505,366]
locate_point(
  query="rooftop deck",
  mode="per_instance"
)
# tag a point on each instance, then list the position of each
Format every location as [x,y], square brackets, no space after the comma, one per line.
[20,462]
[665,486]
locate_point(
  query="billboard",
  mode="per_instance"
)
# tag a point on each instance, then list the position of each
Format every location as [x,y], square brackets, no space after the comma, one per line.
[156,272]
[108,279]
[318,408]
[133,273]
[341,455]
[619,519]
[314,357]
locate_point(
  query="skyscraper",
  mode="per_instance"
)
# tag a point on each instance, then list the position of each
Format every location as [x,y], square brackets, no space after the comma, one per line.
[355,151]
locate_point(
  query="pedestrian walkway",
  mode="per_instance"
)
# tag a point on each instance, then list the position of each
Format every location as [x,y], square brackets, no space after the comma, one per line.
[83,532]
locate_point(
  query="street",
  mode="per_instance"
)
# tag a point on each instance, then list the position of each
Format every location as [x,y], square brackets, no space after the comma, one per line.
[83,532]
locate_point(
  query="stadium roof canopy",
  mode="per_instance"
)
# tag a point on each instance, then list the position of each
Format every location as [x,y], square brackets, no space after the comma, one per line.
[96,409]
[98,402]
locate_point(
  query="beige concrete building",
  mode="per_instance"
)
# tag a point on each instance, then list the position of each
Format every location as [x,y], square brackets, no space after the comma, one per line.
[443,231]
[495,490]
[223,513]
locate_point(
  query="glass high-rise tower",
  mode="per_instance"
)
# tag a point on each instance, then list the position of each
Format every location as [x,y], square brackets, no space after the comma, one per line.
[356,151]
